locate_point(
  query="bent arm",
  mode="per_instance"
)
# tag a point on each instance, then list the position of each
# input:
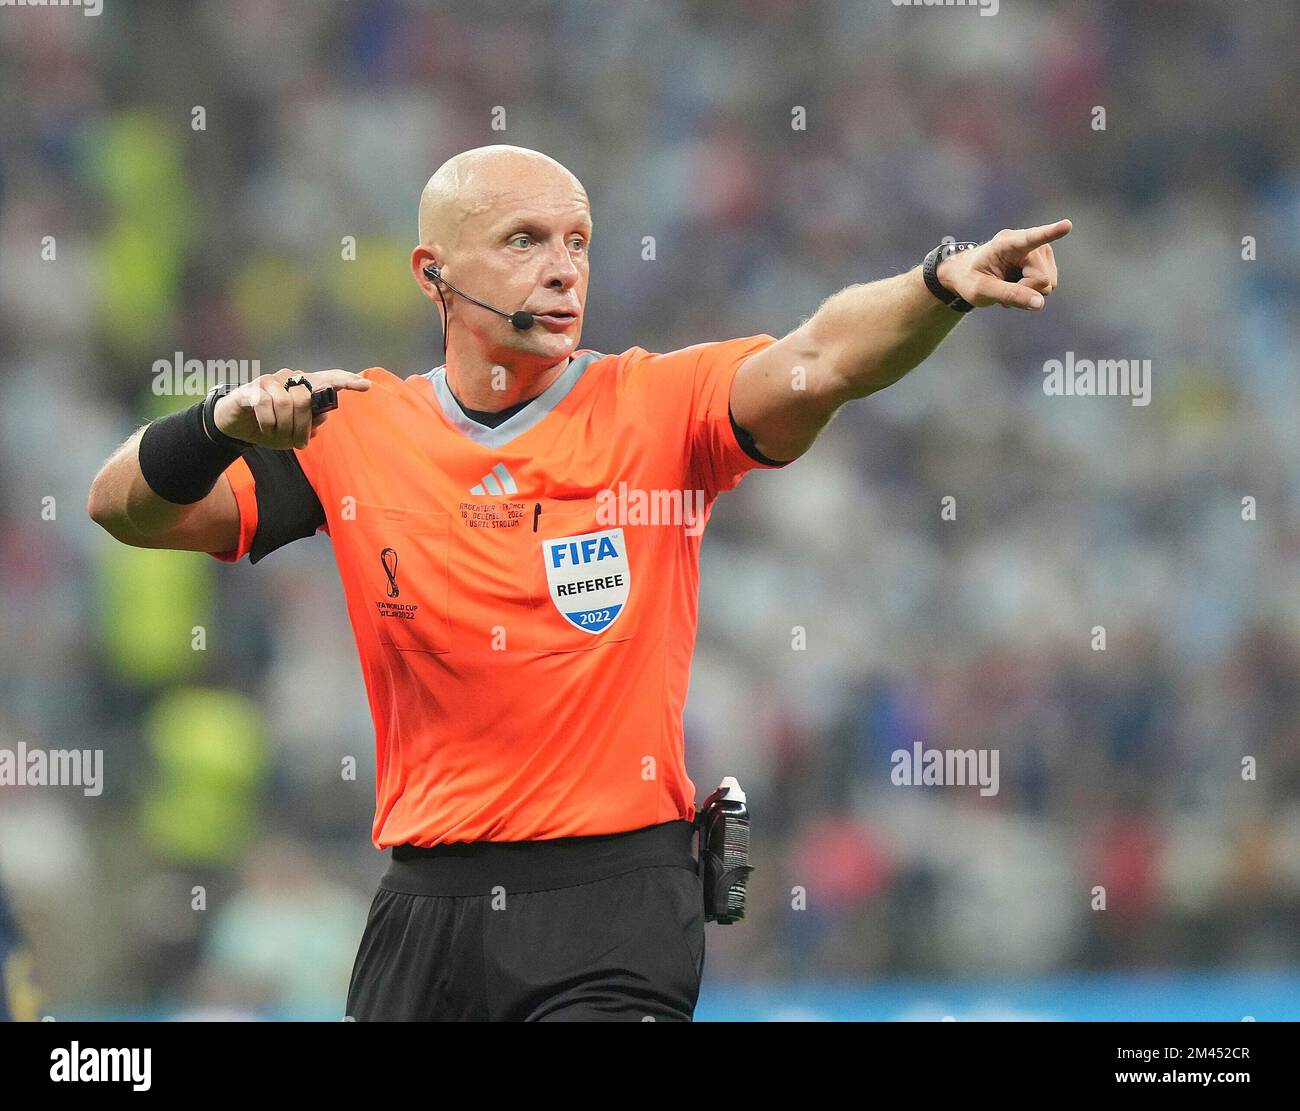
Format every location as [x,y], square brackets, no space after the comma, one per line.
[182,461]
[125,506]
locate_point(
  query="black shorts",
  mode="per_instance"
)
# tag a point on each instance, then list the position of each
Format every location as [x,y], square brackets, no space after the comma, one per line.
[607,928]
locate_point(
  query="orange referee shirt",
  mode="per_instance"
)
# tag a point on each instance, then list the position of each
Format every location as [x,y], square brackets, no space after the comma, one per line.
[524,598]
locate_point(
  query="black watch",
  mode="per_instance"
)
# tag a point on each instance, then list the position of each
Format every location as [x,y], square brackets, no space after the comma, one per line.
[210,428]
[930,272]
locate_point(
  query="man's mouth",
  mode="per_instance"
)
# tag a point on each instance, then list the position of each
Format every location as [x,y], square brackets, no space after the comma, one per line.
[560,318]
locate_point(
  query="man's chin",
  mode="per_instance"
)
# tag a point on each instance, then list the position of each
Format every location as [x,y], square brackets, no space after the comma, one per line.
[547,345]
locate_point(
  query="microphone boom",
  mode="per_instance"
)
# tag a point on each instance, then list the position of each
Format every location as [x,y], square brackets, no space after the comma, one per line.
[521,320]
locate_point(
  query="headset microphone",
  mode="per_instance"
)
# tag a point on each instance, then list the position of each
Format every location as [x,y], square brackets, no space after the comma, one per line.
[521,320]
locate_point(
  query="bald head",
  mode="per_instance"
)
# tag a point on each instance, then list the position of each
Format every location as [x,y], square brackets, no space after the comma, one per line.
[509,230]
[481,182]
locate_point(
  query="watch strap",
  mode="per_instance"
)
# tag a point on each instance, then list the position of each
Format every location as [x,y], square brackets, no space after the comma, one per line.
[209,421]
[930,273]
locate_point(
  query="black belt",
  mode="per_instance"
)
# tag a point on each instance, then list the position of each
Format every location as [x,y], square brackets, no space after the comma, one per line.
[479,867]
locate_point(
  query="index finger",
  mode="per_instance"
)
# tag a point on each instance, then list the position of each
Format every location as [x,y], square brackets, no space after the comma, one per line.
[1030,238]
[339,379]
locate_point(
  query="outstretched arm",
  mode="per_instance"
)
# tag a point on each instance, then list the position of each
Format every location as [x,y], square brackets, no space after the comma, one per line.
[866,337]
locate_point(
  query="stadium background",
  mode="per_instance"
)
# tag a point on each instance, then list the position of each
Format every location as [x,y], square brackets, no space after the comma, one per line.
[1118,768]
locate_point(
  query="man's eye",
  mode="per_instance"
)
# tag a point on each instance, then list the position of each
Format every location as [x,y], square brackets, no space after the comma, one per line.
[524,239]
[578,244]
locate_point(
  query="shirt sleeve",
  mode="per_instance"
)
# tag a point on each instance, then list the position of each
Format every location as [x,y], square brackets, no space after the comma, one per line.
[277,504]
[722,452]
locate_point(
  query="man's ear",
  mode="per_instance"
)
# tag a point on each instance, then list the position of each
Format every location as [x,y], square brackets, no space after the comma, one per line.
[422,259]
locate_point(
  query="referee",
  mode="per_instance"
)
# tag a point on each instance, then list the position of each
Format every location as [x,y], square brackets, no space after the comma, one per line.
[517,532]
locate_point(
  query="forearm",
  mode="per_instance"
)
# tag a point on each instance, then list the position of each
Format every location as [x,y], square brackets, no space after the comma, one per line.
[868,336]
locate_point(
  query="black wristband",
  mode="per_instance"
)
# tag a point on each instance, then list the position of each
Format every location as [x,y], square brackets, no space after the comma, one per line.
[183,454]
[930,274]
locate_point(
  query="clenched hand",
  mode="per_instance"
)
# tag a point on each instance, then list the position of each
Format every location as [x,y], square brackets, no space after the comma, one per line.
[265,413]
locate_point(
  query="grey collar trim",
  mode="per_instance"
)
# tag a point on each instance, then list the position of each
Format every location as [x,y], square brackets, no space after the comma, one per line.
[528,417]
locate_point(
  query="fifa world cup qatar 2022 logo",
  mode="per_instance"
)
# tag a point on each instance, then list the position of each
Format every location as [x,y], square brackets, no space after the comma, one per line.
[404,611]
[388,560]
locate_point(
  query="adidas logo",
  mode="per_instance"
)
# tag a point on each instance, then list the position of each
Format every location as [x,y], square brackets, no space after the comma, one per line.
[497,481]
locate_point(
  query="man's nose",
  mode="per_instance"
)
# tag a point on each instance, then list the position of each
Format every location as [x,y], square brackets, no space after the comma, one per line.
[560,271]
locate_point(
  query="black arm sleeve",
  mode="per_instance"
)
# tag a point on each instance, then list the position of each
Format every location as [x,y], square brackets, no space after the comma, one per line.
[747,445]
[287,506]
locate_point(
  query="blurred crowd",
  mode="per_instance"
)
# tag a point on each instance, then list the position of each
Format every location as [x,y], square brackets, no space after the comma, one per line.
[187,177]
